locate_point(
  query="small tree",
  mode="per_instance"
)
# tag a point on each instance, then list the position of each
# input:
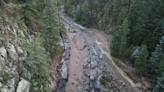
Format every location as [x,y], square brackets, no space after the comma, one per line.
[160,69]
[37,62]
[78,13]
[141,62]
[119,42]
[51,28]
[85,13]
[160,86]
[158,56]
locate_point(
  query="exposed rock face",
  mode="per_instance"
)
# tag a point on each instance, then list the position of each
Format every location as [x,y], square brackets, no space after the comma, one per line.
[23,86]
[12,52]
[13,41]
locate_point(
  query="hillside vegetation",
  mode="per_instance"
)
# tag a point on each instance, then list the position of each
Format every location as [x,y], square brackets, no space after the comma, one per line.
[29,42]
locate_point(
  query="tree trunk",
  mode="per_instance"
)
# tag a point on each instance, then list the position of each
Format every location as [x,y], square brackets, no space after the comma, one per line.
[129,6]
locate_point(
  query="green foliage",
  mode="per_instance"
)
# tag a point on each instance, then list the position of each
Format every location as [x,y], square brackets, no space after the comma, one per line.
[146,24]
[103,13]
[37,62]
[141,61]
[119,42]
[106,91]
[121,18]
[160,69]
[104,80]
[78,13]
[5,77]
[51,28]
[158,57]
[160,86]
[85,13]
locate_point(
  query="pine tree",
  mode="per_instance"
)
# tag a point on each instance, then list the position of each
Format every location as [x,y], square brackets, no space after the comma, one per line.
[160,69]
[119,42]
[121,17]
[51,28]
[141,61]
[160,86]
[85,13]
[146,23]
[37,61]
[158,55]
[78,13]
[32,11]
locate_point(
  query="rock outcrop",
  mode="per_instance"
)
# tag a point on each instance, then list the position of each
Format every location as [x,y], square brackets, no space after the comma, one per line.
[23,86]
[14,72]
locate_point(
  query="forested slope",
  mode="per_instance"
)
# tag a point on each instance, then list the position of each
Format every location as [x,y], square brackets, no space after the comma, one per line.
[30,45]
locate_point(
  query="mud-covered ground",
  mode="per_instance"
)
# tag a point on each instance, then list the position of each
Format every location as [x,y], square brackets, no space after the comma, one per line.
[90,59]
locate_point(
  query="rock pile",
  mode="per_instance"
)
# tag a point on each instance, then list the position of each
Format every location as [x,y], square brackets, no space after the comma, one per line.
[64,68]
[93,69]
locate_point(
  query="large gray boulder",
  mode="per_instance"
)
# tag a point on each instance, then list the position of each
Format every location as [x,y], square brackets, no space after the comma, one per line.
[20,51]
[23,86]
[64,71]
[12,84]
[52,85]
[4,90]
[3,52]
[3,56]
[21,34]
[12,52]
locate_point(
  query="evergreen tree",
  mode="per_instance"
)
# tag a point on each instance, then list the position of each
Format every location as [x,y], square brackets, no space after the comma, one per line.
[121,17]
[119,42]
[78,13]
[160,86]
[160,69]
[51,28]
[37,62]
[85,13]
[32,11]
[158,56]
[141,61]
[146,23]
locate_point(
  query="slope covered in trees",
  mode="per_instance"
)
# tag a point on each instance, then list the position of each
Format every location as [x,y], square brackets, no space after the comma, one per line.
[137,26]
[39,22]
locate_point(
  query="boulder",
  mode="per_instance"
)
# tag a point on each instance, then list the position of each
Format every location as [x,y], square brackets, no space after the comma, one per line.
[14,33]
[52,85]
[0,85]
[26,74]
[12,84]
[93,74]
[23,86]
[64,71]
[4,90]
[3,52]
[3,56]
[12,52]
[21,34]
[94,64]
[20,51]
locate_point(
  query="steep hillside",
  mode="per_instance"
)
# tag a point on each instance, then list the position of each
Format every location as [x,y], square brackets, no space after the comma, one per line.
[25,65]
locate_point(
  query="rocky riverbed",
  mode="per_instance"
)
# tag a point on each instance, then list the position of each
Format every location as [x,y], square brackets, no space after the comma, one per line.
[90,67]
